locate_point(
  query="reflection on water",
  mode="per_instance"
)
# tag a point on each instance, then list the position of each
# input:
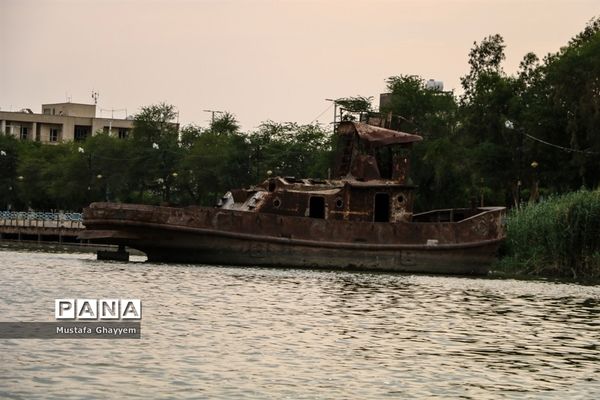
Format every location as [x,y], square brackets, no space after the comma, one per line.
[220,332]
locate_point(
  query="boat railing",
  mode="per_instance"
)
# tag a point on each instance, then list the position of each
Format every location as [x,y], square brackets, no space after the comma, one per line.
[452,214]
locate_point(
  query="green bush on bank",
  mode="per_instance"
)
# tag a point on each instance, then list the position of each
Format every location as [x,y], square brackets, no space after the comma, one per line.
[557,237]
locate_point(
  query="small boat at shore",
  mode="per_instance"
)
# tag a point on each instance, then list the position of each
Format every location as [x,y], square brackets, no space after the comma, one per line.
[361,219]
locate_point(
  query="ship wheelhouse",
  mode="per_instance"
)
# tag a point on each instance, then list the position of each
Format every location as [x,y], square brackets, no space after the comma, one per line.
[369,182]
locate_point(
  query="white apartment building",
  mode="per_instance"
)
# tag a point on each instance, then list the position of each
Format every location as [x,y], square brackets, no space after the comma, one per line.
[61,122]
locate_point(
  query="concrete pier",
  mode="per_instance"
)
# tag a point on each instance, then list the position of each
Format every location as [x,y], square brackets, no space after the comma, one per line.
[119,255]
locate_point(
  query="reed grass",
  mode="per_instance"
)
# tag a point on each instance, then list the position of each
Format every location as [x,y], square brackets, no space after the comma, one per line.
[557,237]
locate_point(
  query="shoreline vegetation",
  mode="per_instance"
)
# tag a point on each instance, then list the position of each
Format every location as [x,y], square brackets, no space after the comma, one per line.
[558,237]
[504,140]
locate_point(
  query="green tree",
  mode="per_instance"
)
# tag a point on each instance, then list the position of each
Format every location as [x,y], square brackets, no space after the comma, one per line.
[39,172]
[572,91]
[156,152]
[290,149]
[350,106]
[437,162]
[485,59]
[108,161]
[214,164]
[189,134]
[430,113]
[490,99]
[9,160]
[225,124]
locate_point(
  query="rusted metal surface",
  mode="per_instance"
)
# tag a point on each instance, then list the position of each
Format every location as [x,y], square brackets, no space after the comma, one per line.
[362,219]
[376,135]
[485,225]
[368,152]
[196,234]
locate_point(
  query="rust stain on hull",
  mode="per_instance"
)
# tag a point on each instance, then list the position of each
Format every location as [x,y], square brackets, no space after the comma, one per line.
[208,235]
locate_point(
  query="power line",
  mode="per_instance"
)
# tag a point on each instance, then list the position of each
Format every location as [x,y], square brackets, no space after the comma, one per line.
[511,126]
[567,149]
[320,115]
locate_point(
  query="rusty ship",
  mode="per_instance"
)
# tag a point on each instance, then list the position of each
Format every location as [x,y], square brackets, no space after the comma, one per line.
[361,218]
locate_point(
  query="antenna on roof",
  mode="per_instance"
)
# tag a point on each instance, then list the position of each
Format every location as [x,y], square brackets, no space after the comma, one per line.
[95,96]
[112,111]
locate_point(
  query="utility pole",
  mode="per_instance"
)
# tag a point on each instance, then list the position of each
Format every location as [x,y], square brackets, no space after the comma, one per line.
[334,111]
[213,112]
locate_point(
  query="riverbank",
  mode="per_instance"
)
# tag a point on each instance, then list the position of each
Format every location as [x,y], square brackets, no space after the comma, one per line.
[559,237]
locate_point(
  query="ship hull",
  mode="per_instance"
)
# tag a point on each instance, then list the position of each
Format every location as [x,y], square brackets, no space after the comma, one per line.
[212,236]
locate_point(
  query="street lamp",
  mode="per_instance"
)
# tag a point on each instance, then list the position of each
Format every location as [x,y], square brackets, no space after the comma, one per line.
[511,126]
[100,177]
[535,193]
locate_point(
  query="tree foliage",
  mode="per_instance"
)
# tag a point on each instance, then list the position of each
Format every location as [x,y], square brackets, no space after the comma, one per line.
[159,163]
[355,104]
[480,146]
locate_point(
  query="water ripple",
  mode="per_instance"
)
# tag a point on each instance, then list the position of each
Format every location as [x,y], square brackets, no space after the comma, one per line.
[217,332]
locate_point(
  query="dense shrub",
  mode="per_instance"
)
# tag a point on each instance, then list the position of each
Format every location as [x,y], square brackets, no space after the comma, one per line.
[559,236]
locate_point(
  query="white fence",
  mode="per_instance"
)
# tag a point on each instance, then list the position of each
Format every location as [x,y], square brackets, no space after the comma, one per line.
[41,219]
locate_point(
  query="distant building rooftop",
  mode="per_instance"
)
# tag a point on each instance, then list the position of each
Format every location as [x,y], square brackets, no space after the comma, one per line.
[70,109]
[59,122]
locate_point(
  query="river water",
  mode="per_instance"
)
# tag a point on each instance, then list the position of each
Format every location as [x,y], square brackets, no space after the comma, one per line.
[221,332]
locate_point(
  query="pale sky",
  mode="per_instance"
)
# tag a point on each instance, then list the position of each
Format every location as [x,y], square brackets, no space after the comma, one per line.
[260,60]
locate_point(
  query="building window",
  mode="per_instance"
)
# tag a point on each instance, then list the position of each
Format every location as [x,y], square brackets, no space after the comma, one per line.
[123,133]
[24,132]
[81,133]
[47,111]
[53,134]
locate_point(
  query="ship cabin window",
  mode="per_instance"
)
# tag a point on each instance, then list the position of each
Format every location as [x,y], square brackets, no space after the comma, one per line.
[381,209]
[387,159]
[316,207]
[385,162]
